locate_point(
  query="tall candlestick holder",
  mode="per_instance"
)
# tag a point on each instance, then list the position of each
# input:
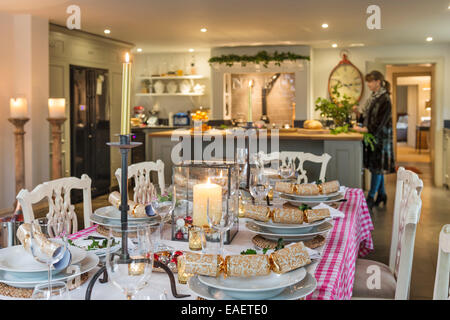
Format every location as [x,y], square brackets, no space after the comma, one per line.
[125,145]
[56,124]
[19,133]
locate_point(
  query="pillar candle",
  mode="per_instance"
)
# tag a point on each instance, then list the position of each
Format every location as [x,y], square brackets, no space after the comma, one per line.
[126,91]
[250,109]
[56,108]
[203,192]
[18,108]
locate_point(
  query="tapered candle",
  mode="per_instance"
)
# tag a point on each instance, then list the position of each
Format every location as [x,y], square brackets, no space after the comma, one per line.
[126,93]
[56,108]
[203,192]
[18,108]
[250,109]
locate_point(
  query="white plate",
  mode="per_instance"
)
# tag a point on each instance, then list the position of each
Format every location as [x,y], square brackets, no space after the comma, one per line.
[111,212]
[323,228]
[17,259]
[294,292]
[258,287]
[84,243]
[297,202]
[289,228]
[87,264]
[297,197]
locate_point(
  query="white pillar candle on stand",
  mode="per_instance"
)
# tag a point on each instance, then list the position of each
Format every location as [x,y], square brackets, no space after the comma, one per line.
[18,108]
[56,108]
[203,192]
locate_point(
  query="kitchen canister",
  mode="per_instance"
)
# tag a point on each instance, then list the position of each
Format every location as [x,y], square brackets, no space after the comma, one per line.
[8,232]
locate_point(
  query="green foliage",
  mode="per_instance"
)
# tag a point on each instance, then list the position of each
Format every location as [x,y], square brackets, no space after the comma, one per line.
[304,207]
[339,110]
[262,57]
[369,140]
[249,251]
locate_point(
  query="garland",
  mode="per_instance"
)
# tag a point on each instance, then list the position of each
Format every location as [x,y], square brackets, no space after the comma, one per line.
[261,57]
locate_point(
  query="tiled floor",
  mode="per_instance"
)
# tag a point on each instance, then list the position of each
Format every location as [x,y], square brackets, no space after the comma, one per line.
[435,213]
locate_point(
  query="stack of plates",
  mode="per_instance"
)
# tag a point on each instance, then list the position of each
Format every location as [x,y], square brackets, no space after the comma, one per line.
[298,200]
[110,217]
[18,268]
[293,285]
[289,232]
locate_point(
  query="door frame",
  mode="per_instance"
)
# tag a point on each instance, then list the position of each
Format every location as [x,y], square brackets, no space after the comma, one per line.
[437,111]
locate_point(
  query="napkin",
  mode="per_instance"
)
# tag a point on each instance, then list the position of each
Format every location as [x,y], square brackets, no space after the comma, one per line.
[313,254]
[334,213]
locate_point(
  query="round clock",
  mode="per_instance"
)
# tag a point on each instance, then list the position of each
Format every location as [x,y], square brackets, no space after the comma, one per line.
[350,79]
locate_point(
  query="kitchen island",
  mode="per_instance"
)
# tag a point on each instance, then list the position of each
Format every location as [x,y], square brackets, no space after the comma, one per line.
[345,149]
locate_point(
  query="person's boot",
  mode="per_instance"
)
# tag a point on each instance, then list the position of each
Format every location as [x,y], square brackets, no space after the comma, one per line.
[370,202]
[381,198]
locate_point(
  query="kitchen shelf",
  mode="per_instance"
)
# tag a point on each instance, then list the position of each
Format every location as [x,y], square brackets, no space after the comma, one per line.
[189,77]
[168,94]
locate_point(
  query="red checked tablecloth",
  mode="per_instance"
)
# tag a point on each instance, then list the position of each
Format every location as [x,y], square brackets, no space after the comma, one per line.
[350,236]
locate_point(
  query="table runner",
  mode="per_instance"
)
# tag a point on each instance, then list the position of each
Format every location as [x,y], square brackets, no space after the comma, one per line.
[334,273]
[350,236]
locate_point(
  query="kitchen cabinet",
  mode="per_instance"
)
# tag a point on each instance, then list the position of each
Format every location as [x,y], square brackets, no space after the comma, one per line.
[447,158]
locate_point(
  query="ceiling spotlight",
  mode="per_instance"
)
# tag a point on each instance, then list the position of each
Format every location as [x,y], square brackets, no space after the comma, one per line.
[334,45]
[203,29]
[430,39]
[325,25]
[139,49]
[191,50]
[107,31]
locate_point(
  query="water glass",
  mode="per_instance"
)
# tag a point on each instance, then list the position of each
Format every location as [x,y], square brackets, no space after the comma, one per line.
[58,291]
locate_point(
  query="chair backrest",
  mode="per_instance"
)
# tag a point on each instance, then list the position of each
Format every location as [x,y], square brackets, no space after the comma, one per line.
[302,158]
[441,282]
[57,193]
[406,217]
[141,173]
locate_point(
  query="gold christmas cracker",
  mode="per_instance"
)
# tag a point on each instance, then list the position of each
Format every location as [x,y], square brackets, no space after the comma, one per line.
[204,264]
[260,213]
[247,265]
[136,210]
[312,215]
[24,233]
[285,187]
[330,187]
[287,214]
[290,258]
[307,189]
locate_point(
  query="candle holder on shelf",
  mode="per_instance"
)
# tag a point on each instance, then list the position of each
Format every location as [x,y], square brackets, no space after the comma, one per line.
[196,182]
[56,124]
[19,133]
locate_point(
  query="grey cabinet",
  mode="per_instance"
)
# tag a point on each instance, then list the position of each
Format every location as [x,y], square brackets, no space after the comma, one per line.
[447,157]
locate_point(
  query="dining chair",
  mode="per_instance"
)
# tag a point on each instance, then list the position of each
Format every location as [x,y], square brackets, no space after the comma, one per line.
[299,158]
[141,173]
[57,193]
[441,282]
[375,280]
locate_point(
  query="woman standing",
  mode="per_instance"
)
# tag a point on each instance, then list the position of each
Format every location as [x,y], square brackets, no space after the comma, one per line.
[376,118]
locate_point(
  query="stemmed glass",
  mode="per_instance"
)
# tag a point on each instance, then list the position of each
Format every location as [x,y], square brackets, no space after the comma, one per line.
[222,221]
[48,244]
[286,170]
[163,200]
[58,291]
[259,186]
[130,268]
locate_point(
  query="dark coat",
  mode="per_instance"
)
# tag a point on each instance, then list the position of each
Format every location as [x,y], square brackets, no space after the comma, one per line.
[378,120]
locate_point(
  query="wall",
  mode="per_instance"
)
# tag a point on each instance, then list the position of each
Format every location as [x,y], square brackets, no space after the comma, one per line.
[25,67]
[156,63]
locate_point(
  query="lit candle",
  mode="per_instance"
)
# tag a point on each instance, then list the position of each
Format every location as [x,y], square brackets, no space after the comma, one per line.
[126,92]
[203,192]
[250,109]
[56,108]
[18,108]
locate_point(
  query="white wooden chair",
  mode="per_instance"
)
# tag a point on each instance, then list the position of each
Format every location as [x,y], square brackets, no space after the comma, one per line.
[441,282]
[141,173]
[57,193]
[394,280]
[298,158]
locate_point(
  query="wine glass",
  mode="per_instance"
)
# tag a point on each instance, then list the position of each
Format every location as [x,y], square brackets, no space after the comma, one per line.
[130,268]
[286,170]
[48,244]
[259,186]
[221,220]
[58,291]
[163,201]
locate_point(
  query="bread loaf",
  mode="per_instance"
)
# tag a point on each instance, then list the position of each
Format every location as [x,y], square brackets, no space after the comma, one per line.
[312,124]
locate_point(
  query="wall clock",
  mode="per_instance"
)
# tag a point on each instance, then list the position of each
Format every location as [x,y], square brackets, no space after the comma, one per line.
[349,76]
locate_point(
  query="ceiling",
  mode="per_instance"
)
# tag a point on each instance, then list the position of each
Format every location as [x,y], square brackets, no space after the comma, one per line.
[174,25]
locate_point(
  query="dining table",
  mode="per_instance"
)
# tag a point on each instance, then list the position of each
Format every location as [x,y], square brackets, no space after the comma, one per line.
[349,238]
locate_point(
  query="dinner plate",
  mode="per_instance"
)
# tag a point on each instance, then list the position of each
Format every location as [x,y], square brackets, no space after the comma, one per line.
[258,287]
[84,243]
[16,259]
[289,228]
[293,292]
[87,264]
[111,212]
[309,197]
[323,228]
[297,202]
[107,222]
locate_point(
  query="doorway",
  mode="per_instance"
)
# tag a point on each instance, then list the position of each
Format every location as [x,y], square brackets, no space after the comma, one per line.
[90,126]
